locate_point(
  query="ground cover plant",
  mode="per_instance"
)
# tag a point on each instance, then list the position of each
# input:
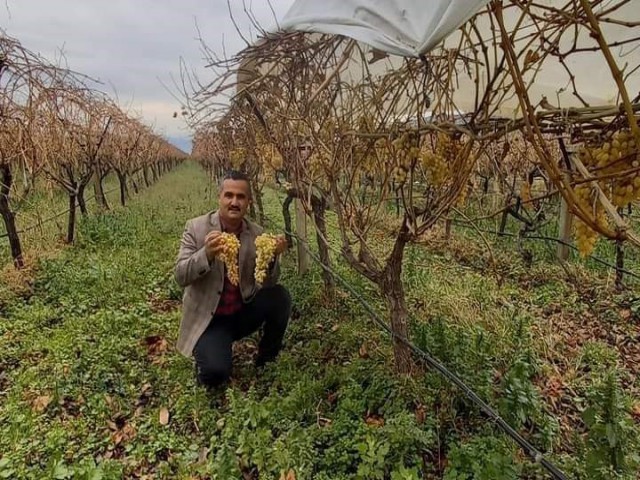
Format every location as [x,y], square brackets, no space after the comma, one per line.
[92,388]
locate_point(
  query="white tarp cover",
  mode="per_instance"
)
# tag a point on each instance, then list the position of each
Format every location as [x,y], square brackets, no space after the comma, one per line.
[400,27]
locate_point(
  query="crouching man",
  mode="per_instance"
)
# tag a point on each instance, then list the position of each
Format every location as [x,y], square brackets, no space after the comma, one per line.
[215,313]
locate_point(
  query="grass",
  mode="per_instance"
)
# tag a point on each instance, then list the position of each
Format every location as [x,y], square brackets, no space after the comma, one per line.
[88,366]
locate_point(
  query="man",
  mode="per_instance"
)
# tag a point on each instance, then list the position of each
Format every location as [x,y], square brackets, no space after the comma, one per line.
[215,312]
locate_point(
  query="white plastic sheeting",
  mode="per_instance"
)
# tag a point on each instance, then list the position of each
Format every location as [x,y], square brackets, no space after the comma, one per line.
[400,27]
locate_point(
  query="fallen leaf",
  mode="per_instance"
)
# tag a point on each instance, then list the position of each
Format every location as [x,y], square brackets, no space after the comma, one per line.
[71,406]
[421,413]
[109,401]
[335,328]
[290,475]
[164,416]
[363,351]
[156,345]
[41,403]
[323,422]
[374,421]
[145,395]
[128,432]
[202,455]
[122,435]
[554,386]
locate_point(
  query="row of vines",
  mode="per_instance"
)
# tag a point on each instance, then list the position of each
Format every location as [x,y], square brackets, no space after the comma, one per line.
[388,150]
[57,131]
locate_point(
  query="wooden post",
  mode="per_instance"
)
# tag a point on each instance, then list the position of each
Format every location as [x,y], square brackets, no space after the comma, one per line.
[619,258]
[565,221]
[304,260]
[494,194]
[565,218]
[303,244]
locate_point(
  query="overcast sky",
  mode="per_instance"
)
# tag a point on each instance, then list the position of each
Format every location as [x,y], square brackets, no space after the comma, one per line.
[134,46]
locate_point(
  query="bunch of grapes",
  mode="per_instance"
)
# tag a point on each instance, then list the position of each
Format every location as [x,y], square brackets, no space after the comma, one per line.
[365,124]
[525,191]
[269,155]
[618,161]
[229,255]
[586,238]
[399,175]
[406,149]
[462,196]
[276,160]
[315,166]
[375,161]
[265,251]
[437,162]
[238,157]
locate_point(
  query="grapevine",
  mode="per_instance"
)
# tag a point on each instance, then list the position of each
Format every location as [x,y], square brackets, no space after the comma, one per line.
[265,251]
[229,255]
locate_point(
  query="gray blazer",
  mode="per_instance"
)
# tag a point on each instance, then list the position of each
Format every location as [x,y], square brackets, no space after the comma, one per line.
[203,282]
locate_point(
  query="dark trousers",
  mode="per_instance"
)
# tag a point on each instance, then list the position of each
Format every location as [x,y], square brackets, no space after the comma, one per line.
[270,309]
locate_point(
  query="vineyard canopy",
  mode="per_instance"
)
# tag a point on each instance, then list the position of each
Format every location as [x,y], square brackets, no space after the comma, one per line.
[568,69]
[571,73]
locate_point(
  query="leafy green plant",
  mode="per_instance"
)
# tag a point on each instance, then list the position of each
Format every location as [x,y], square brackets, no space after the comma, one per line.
[611,439]
[520,400]
[481,458]
[373,453]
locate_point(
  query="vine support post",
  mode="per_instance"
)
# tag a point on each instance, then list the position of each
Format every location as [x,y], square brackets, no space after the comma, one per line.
[619,258]
[565,223]
[71,224]
[447,228]
[302,243]
[301,221]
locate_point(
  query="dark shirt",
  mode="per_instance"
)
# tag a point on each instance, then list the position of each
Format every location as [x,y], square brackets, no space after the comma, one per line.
[230,299]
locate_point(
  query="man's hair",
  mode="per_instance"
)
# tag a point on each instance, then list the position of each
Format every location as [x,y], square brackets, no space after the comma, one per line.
[235,175]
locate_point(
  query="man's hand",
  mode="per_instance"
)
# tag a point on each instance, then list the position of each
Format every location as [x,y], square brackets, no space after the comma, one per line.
[213,245]
[281,244]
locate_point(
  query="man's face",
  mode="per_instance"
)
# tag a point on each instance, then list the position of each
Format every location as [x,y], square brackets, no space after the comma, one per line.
[234,199]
